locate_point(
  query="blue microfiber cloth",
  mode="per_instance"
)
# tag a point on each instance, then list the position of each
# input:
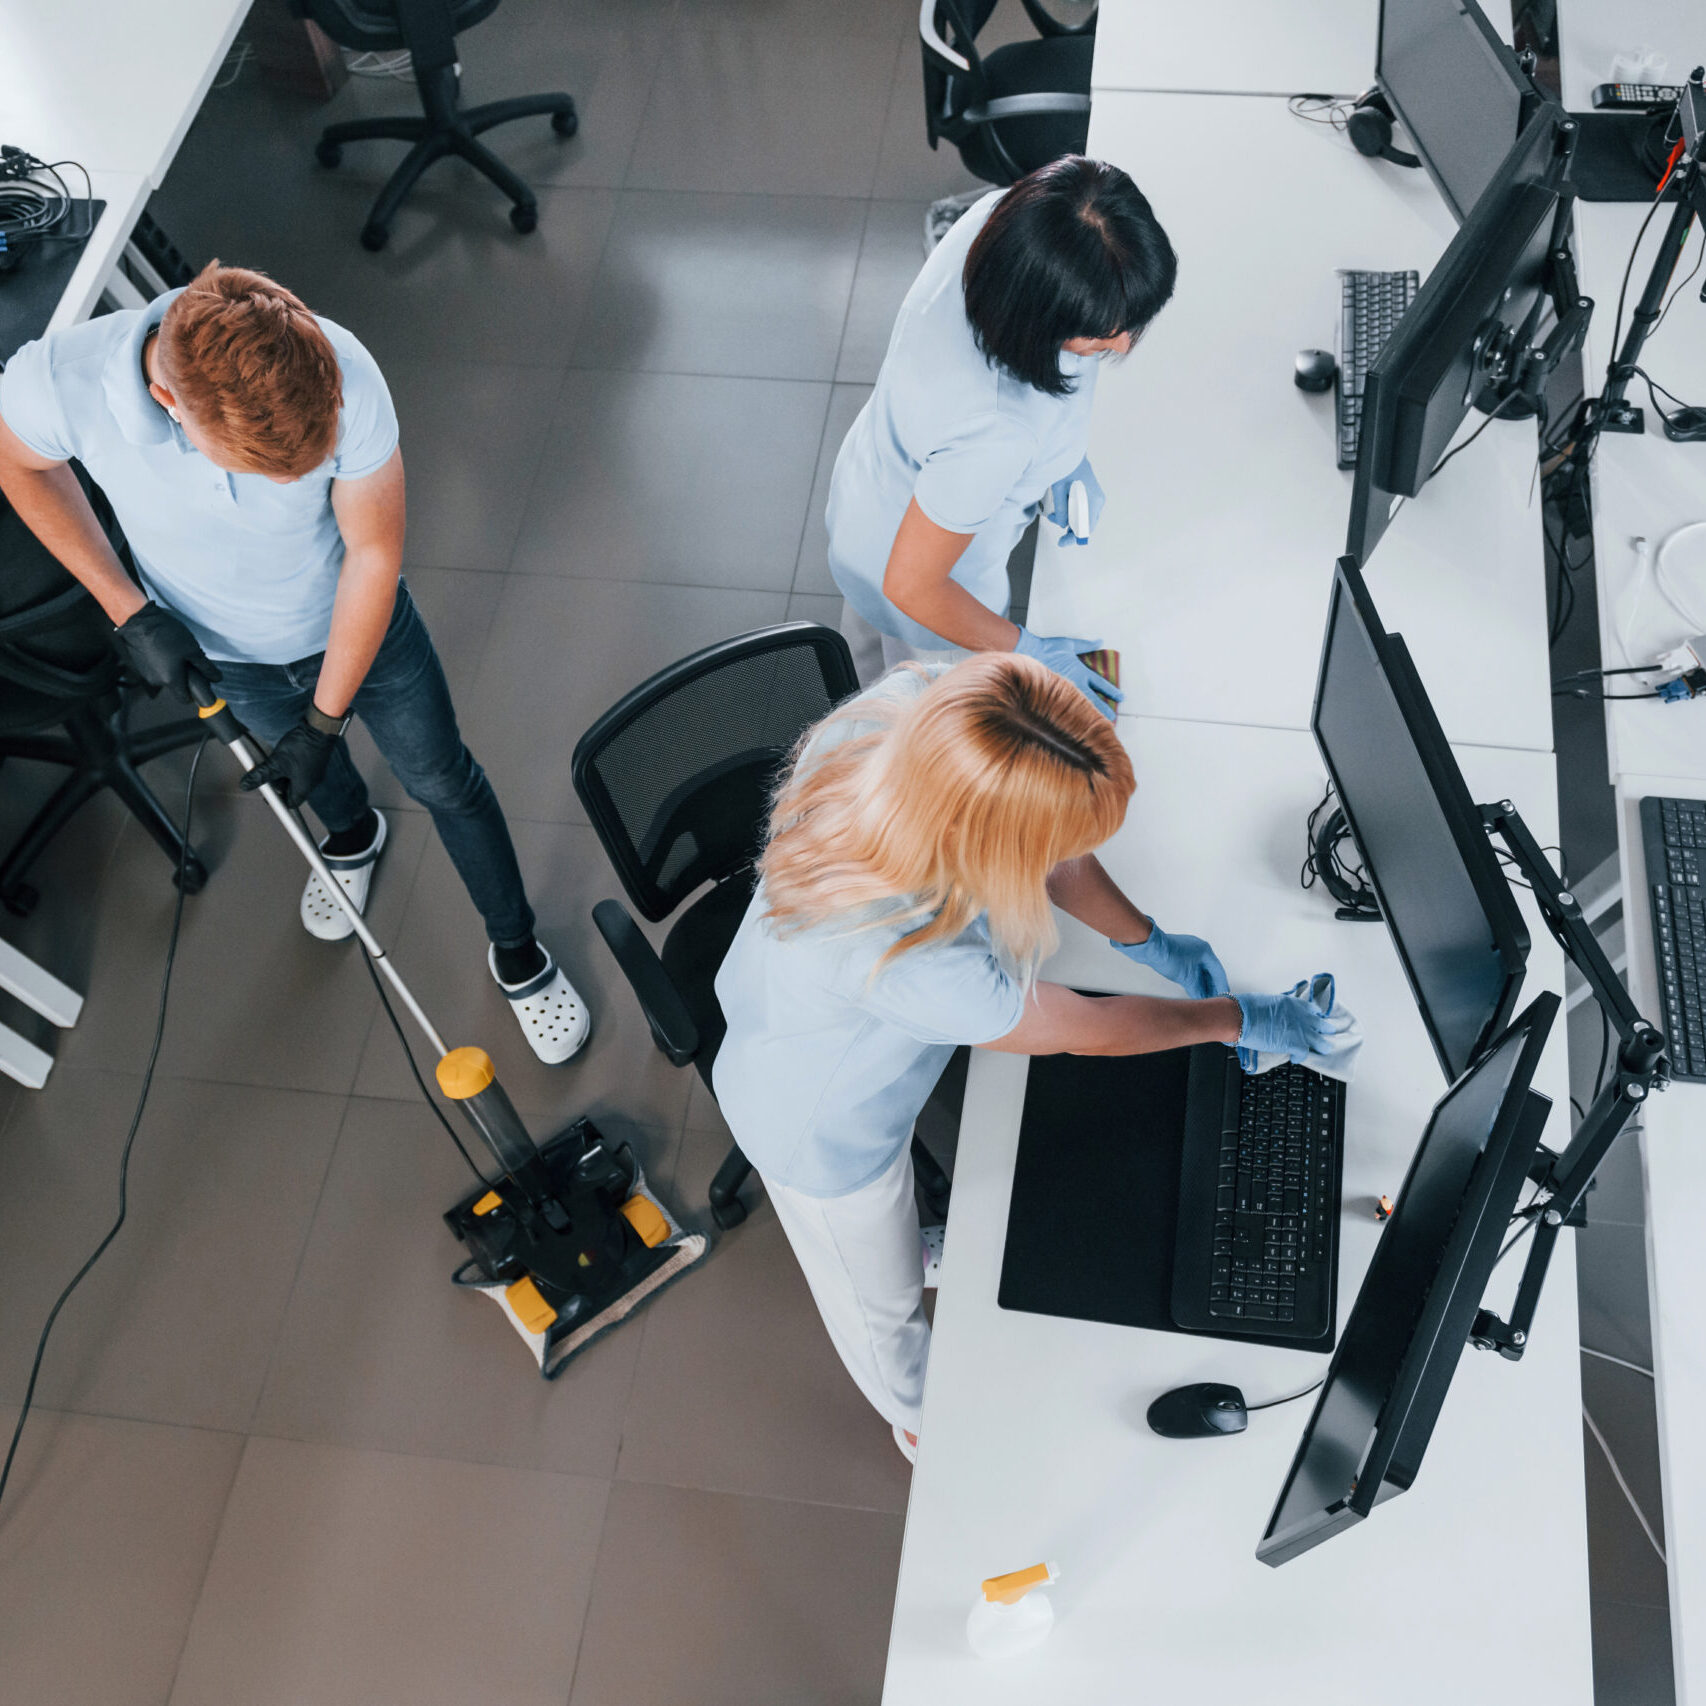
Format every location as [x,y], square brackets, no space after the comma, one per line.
[1337,1058]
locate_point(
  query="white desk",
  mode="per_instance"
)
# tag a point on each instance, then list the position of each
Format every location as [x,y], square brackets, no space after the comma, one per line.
[126,194]
[1211,566]
[1648,486]
[1645,486]
[113,84]
[1236,47]
[1033,1443]
[1673,1150]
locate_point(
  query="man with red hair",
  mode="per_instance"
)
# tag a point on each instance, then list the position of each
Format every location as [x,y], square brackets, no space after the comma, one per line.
[249,449]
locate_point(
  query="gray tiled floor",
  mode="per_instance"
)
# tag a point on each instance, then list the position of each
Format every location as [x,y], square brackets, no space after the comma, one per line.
[280,1457]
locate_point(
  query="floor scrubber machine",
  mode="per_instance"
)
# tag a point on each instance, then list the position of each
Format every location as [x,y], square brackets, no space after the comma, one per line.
[568,1240]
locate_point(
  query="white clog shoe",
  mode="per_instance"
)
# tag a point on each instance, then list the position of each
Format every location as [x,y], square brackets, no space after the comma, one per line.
[321,915]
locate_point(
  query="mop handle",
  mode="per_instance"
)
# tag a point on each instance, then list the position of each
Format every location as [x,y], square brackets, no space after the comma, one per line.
[222,721]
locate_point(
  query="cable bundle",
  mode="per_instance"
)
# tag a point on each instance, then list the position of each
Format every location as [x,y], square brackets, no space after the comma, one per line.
[35,202]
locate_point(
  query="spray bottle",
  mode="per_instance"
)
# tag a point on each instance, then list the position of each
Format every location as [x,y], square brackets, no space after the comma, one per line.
[1012,1614]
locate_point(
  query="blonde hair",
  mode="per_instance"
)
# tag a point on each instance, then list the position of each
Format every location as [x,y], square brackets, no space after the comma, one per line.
[961,802]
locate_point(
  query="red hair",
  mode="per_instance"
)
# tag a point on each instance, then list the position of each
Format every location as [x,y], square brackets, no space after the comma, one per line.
[254,371]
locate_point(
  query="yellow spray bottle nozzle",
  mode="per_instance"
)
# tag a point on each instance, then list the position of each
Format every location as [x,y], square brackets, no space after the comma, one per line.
[1012,1587]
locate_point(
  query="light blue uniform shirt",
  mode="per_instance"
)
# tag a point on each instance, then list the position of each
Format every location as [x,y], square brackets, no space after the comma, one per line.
[975,446]
[824,1069]
[251,566]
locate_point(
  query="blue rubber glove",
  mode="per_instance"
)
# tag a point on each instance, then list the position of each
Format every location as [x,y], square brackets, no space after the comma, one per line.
[1281,1024]
[1060,653]
[1185,960]
[1057,509]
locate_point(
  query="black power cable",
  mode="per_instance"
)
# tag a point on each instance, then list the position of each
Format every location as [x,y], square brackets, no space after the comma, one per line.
[1292,1398]
[129,1137]
[409,1056]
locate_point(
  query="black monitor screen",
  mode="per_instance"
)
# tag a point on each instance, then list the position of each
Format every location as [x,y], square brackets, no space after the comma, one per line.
[1455,348]
[1411,1320]
[1444,898]
[1455,87]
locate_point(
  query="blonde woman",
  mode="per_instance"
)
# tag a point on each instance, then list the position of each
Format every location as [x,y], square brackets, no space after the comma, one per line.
[903,909]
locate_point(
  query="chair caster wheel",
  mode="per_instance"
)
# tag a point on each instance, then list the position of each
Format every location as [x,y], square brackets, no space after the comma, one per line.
[374,238]
[192,879]
[20,900]
[524,218]
[329,153]
[566,124]
[730,1214]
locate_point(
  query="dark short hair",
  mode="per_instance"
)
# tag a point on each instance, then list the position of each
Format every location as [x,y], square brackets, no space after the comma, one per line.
[1072,251]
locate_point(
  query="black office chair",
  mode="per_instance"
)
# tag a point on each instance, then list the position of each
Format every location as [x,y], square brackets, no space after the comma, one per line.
[1018,107]
[676,779]
[58,667]
[428,29]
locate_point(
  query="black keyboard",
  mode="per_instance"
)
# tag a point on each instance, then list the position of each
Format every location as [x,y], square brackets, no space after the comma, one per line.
[1371,304]
[1673,833]
[1257,1244]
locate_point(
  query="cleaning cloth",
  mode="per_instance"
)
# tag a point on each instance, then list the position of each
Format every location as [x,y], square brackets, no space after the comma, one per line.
[1336,1057]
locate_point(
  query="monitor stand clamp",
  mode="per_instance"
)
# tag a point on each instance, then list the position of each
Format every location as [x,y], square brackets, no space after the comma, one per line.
[1564,1180]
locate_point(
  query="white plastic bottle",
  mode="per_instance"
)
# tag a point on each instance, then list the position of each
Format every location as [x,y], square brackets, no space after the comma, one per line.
[1012,1613]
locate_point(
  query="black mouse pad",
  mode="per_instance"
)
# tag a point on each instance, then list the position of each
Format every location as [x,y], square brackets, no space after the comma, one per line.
[1095,1204]
[31,291]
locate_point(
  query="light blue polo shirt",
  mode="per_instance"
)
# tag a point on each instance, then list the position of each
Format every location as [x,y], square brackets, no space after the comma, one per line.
[975,446]
[251,566]
[824,1068]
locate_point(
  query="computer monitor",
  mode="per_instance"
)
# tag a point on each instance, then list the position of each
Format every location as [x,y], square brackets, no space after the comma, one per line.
[1466,339]
[1456,88]
[1411,1320]
[1446,901]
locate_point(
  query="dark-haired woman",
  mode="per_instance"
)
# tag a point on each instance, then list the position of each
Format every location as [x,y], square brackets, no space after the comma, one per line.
[981,415]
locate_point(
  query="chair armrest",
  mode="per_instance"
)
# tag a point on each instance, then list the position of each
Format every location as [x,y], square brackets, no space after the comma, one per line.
[672,1025]
[1026,106]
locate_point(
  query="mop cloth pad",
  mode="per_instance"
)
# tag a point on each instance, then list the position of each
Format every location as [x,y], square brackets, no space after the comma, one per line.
[1337,1057]
[555,1348]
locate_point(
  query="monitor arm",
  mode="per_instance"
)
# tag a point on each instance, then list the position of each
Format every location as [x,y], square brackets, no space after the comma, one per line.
[1615,413]
[1563,1180]
[1510,367]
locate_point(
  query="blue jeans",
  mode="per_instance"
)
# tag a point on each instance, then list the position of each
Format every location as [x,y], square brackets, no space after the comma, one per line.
[405,703]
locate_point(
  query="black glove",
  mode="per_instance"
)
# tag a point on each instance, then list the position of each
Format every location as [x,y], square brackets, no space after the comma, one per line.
[159,648]
[297,763]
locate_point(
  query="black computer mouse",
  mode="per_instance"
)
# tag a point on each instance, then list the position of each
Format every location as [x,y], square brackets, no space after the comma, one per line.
[1198,1412]
[1315,370]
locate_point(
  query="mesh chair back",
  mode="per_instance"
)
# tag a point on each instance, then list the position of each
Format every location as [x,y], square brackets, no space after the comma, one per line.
[676,778]
[375,26]
[953,80]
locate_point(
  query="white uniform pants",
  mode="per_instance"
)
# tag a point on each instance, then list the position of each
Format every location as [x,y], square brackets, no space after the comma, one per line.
[875,653]
[862,1255]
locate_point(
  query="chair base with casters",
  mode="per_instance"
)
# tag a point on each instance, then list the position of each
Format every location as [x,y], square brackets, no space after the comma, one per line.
[100,752]
[676,781]
[427,29]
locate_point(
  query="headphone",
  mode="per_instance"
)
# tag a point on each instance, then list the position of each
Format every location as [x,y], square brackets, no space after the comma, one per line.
[1369,126]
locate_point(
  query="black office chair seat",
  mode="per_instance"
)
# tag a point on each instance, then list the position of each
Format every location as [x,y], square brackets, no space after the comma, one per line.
[993,150]
[676,780]
[63,702]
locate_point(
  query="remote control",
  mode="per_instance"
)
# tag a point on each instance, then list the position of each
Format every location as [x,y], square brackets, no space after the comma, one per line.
[1635,97]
